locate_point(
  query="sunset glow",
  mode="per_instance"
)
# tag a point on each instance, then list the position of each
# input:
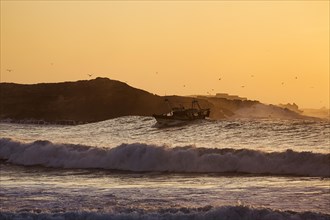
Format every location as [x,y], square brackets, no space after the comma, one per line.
[274,52]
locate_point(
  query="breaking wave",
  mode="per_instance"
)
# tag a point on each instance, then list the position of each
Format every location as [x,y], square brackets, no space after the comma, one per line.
[140,157]
[225,213]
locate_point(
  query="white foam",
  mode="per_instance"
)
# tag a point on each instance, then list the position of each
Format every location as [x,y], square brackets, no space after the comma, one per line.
[220,213]
[142,157]
[266,111]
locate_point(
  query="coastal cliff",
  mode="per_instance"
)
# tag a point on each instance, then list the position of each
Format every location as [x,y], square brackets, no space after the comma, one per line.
[101,99]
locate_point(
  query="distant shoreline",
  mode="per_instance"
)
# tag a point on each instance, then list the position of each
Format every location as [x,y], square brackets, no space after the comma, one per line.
[88,101]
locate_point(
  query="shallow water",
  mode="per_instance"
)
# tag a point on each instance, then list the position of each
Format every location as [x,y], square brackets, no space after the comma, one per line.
[129,168]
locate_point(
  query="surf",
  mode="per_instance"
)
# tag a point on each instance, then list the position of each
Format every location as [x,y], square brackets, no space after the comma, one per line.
[142,157]
[207,212]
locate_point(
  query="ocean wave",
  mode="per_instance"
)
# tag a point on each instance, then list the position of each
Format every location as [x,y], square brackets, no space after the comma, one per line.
[139,157]
[220,213]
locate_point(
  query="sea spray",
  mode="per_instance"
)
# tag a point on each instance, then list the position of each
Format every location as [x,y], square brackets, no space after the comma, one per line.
[140,157]
[219,213]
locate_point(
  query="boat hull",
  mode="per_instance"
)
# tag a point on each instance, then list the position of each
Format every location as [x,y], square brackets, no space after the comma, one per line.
[172,120]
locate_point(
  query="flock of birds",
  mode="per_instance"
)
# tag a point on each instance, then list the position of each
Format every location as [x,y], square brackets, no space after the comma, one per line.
[220,78]
[243,86]
[208,92]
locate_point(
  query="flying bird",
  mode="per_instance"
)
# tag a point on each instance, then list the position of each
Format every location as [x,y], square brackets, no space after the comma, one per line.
[9,70]
[90,75]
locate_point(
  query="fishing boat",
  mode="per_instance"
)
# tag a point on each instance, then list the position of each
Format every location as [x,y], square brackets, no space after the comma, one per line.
[178,115]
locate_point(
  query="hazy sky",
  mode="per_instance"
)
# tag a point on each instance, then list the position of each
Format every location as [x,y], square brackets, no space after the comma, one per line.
[272,51]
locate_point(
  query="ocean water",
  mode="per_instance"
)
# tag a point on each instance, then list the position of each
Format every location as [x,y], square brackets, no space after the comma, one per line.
[130,168]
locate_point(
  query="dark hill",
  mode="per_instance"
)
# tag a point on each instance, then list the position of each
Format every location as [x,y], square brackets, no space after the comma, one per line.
[87,101]
[102,98]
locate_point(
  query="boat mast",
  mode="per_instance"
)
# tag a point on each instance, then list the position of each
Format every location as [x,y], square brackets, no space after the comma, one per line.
[169,104]
[195,102]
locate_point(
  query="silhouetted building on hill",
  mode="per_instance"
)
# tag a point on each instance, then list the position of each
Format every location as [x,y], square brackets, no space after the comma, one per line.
[230,97]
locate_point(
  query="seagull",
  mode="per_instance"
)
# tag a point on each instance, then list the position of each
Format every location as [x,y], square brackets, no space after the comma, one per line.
[220,78]
[184,85]
[282,83]
[296,77]
[156,72]
[90,75]
[252,75]
[9,70]
[242,86]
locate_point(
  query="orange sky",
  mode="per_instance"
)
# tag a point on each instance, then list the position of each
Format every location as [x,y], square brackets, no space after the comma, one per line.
[272,51]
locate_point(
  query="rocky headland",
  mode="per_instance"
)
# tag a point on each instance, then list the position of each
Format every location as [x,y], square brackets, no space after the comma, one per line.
[102,98]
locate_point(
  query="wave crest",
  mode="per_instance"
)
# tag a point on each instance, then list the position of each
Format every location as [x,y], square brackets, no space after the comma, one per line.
[225,212]
[139,157]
